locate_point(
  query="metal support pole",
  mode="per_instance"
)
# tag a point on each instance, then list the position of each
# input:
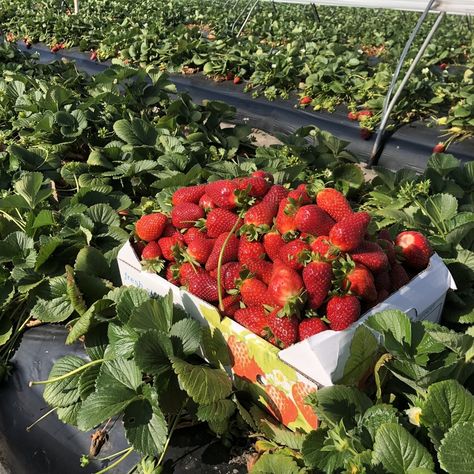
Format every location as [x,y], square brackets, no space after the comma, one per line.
[402,85]
[239,16]
[316,13]
[274,7]
[248,18]
[76,7]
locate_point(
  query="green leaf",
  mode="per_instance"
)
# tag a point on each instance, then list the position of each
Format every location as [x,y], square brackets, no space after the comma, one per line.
[219,410]
[188,331]
[91,261]
[456,454]
[312,448]
[270,463]
[447,403]
[52,311]
[348,174]
[378,415]
[203,384]
[47,248]
[137,133]
[154,314]
[66,391]
[363,353]
[119,372]
[128,299]
[6,330]
[74,293]
[398,451]
[214,347]
[281,435]
[441,207]
[122,340]
[29,188]
[152,352]
[87,381]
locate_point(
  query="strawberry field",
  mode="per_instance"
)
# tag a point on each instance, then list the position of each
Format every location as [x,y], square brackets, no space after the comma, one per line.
[293,244]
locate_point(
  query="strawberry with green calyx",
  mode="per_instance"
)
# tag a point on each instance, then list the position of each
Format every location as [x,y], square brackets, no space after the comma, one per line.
[231,304]
[355,278]
[415,249]
[313,220]
[226,194]
[188,194]
[171,247]
[262,269]
[342,311]
[193,233]
[199,250]
[228,243]
[253,291]
[353,116]
[250,250]
[230,275]
[203,286]
[300,195]
[275,195]
[398,276]
[317,278]
[258,220]
[334,203]
[306,100]
[150,226]
[364,115]
[272,242]
[185,215]
[322,247]
[286,289]
[439,148]
[171,274]
[206,203]
[254,319]
[349,233]
[282,330]
[254,186]
[263,174]
[185,270]
[285,221]
[293,253]
[310,326]
[371,255]
[152,260]
[219,221]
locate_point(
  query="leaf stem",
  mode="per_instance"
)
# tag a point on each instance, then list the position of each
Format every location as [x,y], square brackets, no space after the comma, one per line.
[168,439]
[116,463]
[114,455]
[41,418]
[69,374]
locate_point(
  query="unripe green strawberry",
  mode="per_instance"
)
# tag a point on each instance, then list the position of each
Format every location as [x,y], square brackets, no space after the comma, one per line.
[150,226]
[349,233]
[342,311]
[334,203]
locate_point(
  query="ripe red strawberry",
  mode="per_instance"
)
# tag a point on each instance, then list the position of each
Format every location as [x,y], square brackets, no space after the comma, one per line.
[443,66]
[254,292]
[360,282]
[342,311]
[242,364]
[231,304]
[200,249]
[398,276]
[193,233]
[206,203]
[230,251]
[258,220]
[230,274]
[262,269]
[334,203]
[263,174]
[170,246]
[255,186]
[311,326]
[439,148]
[188,194]
[169,230]
[317,277]
[293,252]
[253,318]
[237,80]
[186,214]
[203,286]
[382,281]
[151,251]
[389,248]
[285,221]
[250,250]
[321,245]
[415,249]
[313,220]
[272,242]
[281,406]
[365,133]
[223,193]
[186,270]
[219,221]
[382,295]
[275,194]
[285,288]
[353,115]
[371,255]
[283,329]
[229,76]
[348,233]
[300,195]
[171,275]
[93,55]
[384,234]
[364,114]
[150,226]
[306,100]
[300,391]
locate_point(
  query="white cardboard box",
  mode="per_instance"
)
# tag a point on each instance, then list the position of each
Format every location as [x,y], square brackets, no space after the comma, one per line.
[321,358]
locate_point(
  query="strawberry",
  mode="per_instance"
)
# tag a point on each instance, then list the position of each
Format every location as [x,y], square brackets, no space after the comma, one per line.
[382,281]
[285,221]
[371,255]
[206,203]
[254,292]
[258,220]
[230,274]
[285,287]
[389,248]
[237,80]
[382,295]
[223,193]
[186,214]
[219,221]
[311,326]
[348,233]
[334,203]
[321,246]
[230,251]
[242,364]
[272,242]
[300,391]
[283,329]
[169,230]
[150,226]
[293,252]
[171,276]
[263,174]
[193,233]
[342,311]
[255,186]
[360,282]
[300,195]
[275,194]
[203,286]
[187,270]
[253,318]
[250,250]
[93,55]
[306,100]
[384,234]
[282,407]
[398,276]
[231,305]
[353,116]
[200,249]
[262,269]
[170,246]
[365,133]
[439,148]
[151,251]
[229,76]
[317,277]
[189,194]
[364,114]
[313,220]
[443,66]
[415,249]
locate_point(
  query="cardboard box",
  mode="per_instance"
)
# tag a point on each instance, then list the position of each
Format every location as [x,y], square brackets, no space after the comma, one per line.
[280,379]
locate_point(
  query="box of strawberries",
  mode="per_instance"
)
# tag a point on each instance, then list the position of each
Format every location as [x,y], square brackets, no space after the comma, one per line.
[286,275]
